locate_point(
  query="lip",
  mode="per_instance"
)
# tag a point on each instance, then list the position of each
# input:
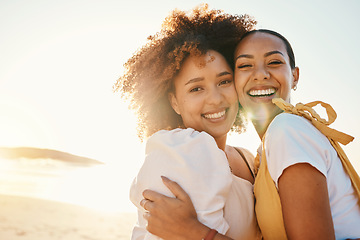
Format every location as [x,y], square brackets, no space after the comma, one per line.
[212,115]
[262,92]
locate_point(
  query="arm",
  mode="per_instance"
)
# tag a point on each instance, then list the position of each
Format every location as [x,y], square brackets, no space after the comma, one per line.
[174,218]
[300,169]
[305,203]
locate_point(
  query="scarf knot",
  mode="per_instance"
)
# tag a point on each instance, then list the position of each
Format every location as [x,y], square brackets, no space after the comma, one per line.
[307,111]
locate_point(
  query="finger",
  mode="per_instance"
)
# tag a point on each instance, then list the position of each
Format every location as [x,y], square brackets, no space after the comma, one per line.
[175,188]
[146,215]
[152,195]
[143,203]
[146,204]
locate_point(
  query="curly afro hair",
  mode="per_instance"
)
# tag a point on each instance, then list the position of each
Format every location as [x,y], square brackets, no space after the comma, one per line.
[150,72]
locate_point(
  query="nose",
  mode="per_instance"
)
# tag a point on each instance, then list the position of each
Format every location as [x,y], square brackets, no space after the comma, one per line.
[214,96]
[261,73]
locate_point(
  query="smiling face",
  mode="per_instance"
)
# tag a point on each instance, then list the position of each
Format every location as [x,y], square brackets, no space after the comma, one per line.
[263,72]
[205,96]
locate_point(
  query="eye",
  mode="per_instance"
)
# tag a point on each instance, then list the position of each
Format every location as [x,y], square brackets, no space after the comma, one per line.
[224,82]
[196,89]
[275,62]
[243,66]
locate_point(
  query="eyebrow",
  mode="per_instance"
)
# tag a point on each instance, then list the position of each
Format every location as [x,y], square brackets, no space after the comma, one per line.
[193,80]
[223,74]
[198,79]
[244,56]
[273,52]
[266,54]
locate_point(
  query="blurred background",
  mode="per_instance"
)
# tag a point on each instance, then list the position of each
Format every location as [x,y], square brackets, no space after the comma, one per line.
[60,59]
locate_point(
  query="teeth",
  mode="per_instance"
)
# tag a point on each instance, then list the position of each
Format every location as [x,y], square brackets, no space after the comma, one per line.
[263,92]
[215,115]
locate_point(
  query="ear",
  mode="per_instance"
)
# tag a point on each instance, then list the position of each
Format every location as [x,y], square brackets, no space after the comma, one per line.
[173,102]
[295,73]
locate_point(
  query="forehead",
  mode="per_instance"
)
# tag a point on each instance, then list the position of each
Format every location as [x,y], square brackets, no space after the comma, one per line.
[196,66]
[260,43]
[206,60]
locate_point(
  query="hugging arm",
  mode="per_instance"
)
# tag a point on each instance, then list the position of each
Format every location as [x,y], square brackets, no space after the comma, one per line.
[202,170]
[174,218]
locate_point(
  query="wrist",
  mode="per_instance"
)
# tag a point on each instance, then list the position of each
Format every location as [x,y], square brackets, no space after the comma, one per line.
[197,231]
[210,234]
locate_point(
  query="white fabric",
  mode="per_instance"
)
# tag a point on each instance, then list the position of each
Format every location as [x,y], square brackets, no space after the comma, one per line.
[239,211]
[291,139]
[193,160]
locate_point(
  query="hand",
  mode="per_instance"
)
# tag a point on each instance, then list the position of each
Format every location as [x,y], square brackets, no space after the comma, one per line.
[172,218]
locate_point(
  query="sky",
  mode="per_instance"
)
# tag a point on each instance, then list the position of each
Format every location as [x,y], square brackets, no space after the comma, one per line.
[60,59]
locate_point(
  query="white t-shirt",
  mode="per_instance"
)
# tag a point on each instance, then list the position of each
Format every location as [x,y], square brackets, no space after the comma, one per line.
[291,139]
[194,161]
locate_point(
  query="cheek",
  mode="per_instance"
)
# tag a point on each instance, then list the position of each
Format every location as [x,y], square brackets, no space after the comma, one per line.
[239,86]
[239,89]
[231,94]
[286,86]
[239,82]
[189,108]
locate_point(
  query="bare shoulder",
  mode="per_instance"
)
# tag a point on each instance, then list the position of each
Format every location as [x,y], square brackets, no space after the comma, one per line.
[241,162]
[249,157]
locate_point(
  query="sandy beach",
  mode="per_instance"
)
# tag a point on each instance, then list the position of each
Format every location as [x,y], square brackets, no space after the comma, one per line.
[23,218]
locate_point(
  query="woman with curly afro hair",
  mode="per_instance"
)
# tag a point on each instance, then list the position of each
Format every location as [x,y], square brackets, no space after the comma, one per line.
[149,73]
[181,86]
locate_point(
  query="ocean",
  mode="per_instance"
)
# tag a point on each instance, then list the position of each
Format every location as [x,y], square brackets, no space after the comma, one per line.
[94,186]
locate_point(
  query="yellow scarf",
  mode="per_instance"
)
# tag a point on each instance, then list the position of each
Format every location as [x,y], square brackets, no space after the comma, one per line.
[268,205]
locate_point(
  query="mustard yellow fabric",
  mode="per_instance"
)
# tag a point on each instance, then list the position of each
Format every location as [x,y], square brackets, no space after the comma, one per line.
[268,205]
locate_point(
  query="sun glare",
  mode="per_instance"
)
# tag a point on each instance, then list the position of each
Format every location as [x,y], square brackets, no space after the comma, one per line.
[22,125]
[95,187]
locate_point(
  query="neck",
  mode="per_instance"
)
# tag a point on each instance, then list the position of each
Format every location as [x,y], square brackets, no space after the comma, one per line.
[262,119]
[221,142]
[261,125]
